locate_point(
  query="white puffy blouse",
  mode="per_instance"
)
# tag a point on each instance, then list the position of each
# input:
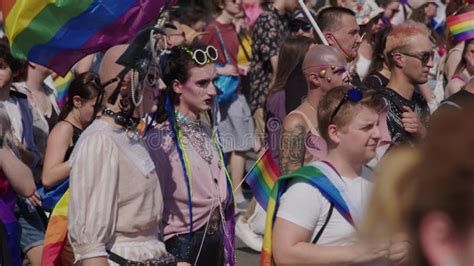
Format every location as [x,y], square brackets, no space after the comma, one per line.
[115,197]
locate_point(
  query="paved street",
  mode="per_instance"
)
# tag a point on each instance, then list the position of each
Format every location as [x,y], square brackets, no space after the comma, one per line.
[245,256]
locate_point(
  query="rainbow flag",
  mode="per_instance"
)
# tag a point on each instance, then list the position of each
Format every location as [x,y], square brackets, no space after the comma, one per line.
[58,33]
[62,86]
[262,177]
[316,178]
[461,26]
[56,232]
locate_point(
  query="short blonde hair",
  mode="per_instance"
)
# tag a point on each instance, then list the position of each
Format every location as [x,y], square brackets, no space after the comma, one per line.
[347,111]
[402,35]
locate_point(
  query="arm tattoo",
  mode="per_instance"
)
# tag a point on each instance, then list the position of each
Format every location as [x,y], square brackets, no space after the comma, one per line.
[292,149]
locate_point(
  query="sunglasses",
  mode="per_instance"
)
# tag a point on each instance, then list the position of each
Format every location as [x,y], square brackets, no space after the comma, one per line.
[354,95]
[424,57]
[202,57]
[296,26]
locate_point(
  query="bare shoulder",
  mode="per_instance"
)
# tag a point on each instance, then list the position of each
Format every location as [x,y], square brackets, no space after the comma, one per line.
[61,129]
[294,120]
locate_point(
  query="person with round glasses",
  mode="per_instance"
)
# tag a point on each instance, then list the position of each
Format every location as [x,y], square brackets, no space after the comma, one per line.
[236,125]
[198,214]
[409,55]
[334,190]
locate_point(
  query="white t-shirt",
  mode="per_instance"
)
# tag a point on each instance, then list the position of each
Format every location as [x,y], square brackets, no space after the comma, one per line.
[305,206]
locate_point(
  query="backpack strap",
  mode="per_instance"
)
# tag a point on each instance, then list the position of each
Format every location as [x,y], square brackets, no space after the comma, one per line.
[221,40]
[320,232]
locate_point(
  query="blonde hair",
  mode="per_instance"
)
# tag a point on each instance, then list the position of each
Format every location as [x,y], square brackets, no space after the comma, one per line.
[347,111]
[438,177]
[402,36]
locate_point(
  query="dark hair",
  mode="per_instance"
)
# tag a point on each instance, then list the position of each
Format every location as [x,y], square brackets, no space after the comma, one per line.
[85,85]
[462,64]
[378,59]
[176,67]
[217,4]
[329,18]
[5,54]
[291,55]
[192,15]
[384,3]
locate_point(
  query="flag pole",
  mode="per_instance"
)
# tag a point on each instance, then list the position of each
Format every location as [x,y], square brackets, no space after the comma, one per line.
[250,170]
[313,22]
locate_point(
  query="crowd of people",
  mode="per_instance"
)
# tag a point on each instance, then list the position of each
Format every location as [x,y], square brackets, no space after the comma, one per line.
[364,106]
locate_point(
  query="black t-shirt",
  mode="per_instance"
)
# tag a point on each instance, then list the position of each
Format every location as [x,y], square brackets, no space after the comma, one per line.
[395,103]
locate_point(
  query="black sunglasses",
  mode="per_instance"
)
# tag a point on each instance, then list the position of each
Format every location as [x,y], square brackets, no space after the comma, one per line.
[296,26]
[424,57]
[354,95]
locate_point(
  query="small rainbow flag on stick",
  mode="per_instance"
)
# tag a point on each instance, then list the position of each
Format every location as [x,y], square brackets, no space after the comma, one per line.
[58,33]
[262,177]
[462,26]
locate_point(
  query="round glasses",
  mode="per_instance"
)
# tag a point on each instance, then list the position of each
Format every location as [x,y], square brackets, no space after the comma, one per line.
[354,95]
[202,57]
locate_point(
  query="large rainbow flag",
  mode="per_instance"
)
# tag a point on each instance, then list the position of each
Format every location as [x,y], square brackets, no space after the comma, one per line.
[262,177]
[58,33]
[56,232]
[461,26]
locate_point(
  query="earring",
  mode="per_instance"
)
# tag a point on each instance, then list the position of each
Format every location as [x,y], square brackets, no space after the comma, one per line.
[328,79]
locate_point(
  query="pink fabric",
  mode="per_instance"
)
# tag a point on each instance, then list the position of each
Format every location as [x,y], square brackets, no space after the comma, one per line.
[253,11]
[170,173]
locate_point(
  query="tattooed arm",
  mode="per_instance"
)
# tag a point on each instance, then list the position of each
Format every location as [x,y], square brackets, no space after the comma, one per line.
[292,148]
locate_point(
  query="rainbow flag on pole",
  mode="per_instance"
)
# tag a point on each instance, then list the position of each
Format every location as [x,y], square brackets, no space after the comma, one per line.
[462,26]
[262,177]
[58,33]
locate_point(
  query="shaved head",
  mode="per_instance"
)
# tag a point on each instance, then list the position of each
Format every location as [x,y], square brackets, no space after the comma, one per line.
[322,56]
[109,69]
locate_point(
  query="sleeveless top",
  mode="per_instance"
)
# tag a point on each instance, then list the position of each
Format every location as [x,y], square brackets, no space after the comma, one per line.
[76,133]
[314,143]
[463,76]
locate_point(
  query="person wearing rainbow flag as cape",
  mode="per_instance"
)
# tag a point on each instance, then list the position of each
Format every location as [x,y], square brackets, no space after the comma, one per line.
[198,214]
[333,190]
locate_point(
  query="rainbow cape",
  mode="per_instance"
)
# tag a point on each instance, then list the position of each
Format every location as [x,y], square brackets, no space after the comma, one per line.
[308,174]
[461,26]
[58,33]
[56,232]
[262,177]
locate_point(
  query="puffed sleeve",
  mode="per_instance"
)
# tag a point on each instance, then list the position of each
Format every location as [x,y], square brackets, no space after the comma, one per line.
[93,196]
